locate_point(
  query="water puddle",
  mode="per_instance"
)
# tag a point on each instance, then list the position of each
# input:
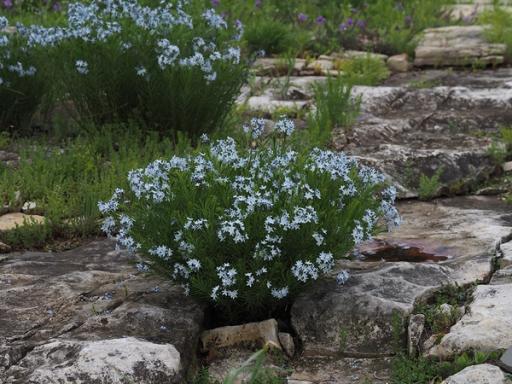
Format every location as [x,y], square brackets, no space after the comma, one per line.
[412,251]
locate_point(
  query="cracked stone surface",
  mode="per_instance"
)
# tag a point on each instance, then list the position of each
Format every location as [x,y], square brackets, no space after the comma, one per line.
[356,319]
[418,123]
[68,300]
[486,327]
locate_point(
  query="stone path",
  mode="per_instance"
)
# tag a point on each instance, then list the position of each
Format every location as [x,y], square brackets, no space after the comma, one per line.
[407,131]
[74,315]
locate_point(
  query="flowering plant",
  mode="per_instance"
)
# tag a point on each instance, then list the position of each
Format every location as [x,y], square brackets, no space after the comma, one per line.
[244,228]
[170,66]
[21,85]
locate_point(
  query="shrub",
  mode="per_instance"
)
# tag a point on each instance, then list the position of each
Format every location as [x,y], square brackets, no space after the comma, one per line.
[245,229]
[22,85]
[119,60]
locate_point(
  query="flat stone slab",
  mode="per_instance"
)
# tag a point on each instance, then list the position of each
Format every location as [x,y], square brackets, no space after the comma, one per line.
[478,374]
[91,293]
[356,319]
[457,46]
[486,327]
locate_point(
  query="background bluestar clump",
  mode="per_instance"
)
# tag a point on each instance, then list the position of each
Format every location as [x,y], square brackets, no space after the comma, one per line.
[172,67]
[243,229]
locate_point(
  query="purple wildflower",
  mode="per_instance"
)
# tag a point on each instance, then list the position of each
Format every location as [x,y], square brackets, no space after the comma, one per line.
[302,17]
[361,24]
[350,22]
[215,3]
[320,20]
[56,7]
[408,20]
[257,3]
[343,27]
[7,3]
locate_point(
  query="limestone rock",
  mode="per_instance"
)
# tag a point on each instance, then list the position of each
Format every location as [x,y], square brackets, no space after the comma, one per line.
[238,335]
[502,276]
[287,343]
[9,158]
[4,248]
[456,46]
[506,360]
[113,361]
[507,167]
[486,327]
[11,220]
[478,374]
[506,250]
[91,293]
[351,54]
[399,63]
[357,318]
[414,333]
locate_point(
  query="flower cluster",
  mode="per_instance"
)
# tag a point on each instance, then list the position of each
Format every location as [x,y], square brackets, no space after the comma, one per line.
[248,227]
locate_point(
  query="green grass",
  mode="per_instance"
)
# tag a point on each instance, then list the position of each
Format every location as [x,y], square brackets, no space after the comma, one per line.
[500,31]
[429,186]
[66,179]
[365,70]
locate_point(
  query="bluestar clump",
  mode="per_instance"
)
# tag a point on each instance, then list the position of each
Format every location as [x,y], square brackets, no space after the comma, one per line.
[248,227]
[21,86]
[170,65]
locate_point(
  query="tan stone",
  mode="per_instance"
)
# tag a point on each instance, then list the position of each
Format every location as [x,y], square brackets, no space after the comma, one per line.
[11,220]
[257,334]
[399,63]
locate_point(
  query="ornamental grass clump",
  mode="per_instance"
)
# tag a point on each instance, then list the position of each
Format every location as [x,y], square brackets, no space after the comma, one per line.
[22,86]
[246,227]
[168,65]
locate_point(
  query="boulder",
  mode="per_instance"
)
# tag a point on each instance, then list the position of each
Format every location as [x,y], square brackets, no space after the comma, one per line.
[478,374]
[89,294]
[457,46]
[113,361]
[486,327]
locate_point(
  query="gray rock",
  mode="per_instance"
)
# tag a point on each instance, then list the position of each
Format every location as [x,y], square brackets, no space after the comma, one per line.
[486,327]
[478,374]
[287,343]
[502,276]
[358,318]
[92,293]
[506,251]
[506,360]
[414,333]
[408,133]
[111,361]
[457,46]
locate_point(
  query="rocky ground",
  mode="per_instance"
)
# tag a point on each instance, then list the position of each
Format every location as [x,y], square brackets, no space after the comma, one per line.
[88,316]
